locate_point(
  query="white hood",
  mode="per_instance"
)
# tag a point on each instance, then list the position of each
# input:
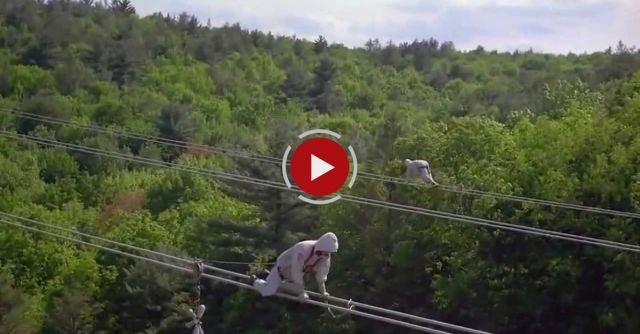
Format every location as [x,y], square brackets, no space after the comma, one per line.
[328,242]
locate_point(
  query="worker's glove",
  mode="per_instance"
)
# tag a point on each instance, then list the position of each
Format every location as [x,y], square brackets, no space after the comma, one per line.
[326,294]
[304,296]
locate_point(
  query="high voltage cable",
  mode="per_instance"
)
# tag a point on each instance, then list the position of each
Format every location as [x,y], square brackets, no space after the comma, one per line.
[239,284]
[366,306]
[232,273]
[355,199]
[497,224]
[276,160]
[523,199]
[229,281]
[350,198]
[139,136]
[244,263]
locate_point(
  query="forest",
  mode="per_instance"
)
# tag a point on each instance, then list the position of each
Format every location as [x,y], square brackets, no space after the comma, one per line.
[556,127]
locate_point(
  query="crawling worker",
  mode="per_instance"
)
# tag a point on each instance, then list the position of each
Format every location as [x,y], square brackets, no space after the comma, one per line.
[301,258]
[419,168]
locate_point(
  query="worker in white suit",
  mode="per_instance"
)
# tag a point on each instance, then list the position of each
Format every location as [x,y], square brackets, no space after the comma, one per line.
[419,168]
[303,257]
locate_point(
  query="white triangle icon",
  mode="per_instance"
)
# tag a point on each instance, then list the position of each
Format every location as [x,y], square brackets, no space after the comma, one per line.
[319,167]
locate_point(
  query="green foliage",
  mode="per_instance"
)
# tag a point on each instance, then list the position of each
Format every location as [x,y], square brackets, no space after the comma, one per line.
[557,127]
[13,306]
[55,165]
[26,81]
[72,312]
[45,103]
[149,299]
[176,125]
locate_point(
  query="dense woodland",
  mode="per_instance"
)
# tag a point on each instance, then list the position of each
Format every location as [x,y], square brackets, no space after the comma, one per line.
[557,127]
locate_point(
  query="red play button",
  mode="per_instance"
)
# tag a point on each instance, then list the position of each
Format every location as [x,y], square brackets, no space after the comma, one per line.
[319,166]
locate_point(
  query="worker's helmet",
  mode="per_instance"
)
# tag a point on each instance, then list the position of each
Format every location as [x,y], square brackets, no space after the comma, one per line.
[328,242]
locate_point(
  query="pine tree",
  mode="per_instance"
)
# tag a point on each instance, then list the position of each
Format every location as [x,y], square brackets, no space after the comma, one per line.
[323,94]
[123,7]
[175,124]
[320,45]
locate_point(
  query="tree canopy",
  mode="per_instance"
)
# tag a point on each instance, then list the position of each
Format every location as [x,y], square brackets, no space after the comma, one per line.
[556,127]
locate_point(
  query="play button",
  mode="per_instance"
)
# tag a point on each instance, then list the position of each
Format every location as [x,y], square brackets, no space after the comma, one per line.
[319,166]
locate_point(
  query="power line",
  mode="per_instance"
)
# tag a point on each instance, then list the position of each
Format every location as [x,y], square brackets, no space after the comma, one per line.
[236,262]
[148,138]
[86,235]
[366,306]
[236,283]
[350,198]
[131,158]
[523,199]
[115,251]
[276,160]
[236,274]
[497,224]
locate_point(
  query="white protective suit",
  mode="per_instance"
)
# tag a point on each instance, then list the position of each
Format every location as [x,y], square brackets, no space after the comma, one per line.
[419,168]
[299,259]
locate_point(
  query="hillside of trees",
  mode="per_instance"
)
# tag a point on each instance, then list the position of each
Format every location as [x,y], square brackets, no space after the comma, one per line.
[556,127]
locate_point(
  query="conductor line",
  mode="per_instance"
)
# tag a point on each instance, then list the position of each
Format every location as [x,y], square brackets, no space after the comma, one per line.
[276,160]
[233,282]
[350,198]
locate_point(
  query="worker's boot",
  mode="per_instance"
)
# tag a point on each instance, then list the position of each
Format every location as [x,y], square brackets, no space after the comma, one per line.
[263,274]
